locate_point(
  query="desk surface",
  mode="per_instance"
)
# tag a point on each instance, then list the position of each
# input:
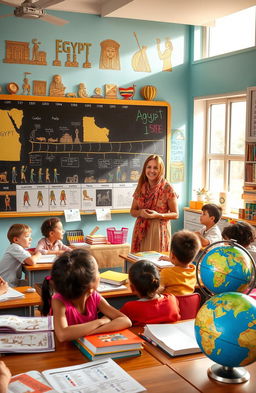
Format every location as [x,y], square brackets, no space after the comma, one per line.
[30,299]
[67,354]
[195,372]
[37,267]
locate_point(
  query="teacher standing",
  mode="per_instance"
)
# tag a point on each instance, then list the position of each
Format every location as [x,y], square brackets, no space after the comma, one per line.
[154,205]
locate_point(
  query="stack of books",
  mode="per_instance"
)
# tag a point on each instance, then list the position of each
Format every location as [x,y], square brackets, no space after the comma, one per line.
[122,343]
[26,334]
[113,277]
[152,256]
[96,239]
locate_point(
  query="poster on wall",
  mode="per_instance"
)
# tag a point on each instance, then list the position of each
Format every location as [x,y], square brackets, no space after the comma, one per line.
[177,156]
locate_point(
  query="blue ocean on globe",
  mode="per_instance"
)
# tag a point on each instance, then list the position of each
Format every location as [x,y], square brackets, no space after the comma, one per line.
[226,269]
[225,329]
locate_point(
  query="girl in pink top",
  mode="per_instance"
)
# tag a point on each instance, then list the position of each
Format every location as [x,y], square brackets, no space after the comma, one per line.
[75,303]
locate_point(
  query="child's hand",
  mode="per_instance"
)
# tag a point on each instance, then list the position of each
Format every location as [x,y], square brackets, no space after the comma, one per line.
[3,286]
[5,376]
[164,258]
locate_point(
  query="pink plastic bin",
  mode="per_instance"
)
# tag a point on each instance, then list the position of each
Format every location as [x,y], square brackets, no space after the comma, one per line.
[117,236]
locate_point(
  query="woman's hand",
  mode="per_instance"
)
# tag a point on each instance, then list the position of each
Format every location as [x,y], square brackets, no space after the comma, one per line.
[150,214]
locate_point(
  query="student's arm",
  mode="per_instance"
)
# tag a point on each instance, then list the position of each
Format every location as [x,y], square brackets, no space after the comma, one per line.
[3,286]
[72,332]
[32,260]
[117,320]
[204,242]
[5,376]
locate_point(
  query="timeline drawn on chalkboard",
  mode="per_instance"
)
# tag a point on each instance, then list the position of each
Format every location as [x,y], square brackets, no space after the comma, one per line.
[44,142]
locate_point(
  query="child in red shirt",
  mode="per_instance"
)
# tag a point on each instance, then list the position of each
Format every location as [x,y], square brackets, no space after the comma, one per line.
[151,307]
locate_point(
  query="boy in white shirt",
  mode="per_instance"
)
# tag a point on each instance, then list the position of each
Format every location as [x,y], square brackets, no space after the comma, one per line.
[210,216]
[19,235]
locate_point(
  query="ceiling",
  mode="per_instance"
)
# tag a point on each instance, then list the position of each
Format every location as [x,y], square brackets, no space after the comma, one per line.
[192,12]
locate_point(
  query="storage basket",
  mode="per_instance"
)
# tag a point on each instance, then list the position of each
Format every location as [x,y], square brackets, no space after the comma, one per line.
[117,236]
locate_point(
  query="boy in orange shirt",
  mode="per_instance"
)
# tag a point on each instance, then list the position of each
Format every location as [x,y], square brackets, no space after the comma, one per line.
[180,279]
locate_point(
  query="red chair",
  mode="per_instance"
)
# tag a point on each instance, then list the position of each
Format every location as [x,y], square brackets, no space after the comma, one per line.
[189,305]
[253,294]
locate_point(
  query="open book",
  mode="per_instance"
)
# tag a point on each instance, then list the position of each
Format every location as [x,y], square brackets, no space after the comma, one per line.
[104,375]
[46,258]
[25,334]
[105,287]
[11,294]
[174,338]
[152,256]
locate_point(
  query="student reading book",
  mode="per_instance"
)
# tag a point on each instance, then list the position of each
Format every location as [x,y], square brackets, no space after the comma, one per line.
[175,338]
[26,334]
[98,377]
[76,303]
[114,344]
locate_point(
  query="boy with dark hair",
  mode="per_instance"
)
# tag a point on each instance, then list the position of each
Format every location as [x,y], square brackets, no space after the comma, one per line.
[210,232]
[181,278]
[19,235]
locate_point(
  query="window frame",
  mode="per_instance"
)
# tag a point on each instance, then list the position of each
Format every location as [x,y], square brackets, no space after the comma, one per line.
[227,157]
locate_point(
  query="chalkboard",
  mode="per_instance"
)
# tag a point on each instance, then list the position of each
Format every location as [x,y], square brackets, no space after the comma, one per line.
[70,146]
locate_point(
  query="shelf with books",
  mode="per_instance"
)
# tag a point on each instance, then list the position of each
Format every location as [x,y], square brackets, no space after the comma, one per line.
[249,191]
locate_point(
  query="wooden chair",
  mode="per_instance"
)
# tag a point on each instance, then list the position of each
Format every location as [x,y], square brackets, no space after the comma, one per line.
[189,305]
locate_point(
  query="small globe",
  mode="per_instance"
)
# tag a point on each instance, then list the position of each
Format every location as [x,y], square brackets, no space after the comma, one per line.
[225,329]
[226,268]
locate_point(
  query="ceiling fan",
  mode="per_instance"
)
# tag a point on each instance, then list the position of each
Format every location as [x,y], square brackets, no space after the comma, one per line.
[35,10]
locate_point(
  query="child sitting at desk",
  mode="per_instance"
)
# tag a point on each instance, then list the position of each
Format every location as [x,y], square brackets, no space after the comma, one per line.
[16,254]
[53,232]
[210,233]
[180,279]
[76,303]
[243,233]
[152,307]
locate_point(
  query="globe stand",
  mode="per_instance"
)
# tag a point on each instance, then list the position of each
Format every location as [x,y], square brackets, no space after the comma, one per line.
[228,374]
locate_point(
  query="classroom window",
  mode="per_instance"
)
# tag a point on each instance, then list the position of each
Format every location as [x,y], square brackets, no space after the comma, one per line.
[230,33]
[225,145]
[219,146]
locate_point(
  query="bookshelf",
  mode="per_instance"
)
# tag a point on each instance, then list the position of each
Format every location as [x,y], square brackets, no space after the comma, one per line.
[249,194]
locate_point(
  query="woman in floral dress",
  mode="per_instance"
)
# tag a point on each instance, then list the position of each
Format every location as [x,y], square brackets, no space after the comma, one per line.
[154,205]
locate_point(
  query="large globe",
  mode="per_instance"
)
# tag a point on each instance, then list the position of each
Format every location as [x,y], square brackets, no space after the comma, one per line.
[226,268]
[225,329]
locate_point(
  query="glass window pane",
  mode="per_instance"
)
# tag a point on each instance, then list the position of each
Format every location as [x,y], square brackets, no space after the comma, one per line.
[216,175]
[232,32]
[237,127]
[217,128]
[236,181]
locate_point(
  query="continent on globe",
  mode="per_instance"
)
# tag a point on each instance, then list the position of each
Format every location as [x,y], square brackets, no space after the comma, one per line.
[225,329]
[225,269]
[93,133]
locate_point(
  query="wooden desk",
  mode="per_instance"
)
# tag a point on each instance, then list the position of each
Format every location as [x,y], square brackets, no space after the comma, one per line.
[118,298]
[22,307]
[108,255]
[37,272]
[196,373]
[145,368]
[67,354]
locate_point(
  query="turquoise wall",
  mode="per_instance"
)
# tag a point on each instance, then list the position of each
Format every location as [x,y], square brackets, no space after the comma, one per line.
[172,87]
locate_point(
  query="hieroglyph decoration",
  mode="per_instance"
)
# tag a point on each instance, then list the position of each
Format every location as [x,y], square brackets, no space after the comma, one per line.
[18,52]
